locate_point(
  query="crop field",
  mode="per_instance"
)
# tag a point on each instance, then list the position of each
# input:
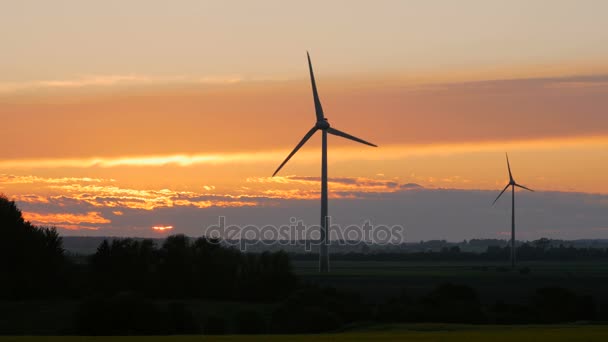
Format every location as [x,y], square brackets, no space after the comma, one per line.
[420,333]
[375,282]
[378,280]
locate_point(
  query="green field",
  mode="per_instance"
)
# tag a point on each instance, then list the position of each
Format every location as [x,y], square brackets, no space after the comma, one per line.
[422,332]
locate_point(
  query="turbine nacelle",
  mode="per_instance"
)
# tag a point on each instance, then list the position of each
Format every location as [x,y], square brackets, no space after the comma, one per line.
[322,124]
[512,182]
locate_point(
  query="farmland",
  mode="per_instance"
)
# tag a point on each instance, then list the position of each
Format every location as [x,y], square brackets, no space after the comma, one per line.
[377,280]
[420,332]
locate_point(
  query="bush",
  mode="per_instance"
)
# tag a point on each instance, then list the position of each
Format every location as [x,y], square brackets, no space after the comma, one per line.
[306,319]
[214,325]
[451,303]
[395,309]
[180,320]
[556,305]
[250,322]
[122,314]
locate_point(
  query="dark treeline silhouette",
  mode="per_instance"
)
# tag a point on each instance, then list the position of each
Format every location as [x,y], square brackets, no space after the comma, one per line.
[534,251]
[33,264]
[188,268]
[452,303]
[80,245]
[32,260]
[185,285]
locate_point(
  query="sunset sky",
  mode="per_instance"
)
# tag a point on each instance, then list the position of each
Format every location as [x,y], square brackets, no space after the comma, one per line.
[125,117]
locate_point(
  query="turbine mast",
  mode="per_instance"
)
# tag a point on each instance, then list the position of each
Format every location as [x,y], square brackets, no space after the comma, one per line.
[323,247]
[512,226]
[323,125]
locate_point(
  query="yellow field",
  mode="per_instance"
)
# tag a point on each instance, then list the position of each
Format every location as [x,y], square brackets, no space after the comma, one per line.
[422,333]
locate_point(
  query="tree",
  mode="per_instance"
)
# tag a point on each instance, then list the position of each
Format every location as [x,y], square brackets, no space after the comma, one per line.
[32,261]
[124,265]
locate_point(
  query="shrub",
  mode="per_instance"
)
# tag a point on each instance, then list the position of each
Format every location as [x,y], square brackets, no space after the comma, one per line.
[214,325]
[250,322]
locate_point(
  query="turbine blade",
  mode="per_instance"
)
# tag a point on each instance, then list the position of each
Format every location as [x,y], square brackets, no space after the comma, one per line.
[302,142]
[334,131]
[318,108]
[509,167]
[523,187]
[502,192]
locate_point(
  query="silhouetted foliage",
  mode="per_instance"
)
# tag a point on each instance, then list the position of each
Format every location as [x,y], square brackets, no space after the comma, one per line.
[448,303]
[130,281]
[180,320]
[132,314]
[266,275]
[250,322]
[510,313]
[32,261]
[542,249]
[316,309]
[124,265]
[183,268]
[396,309]
[121,314]
[453,303]
[555,305]
[307,319]
[214,325]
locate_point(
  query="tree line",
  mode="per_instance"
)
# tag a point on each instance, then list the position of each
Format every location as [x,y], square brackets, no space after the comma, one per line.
[138,286]
[529,251]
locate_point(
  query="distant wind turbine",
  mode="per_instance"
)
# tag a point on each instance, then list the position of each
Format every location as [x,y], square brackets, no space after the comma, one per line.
[323,125]
[512,184]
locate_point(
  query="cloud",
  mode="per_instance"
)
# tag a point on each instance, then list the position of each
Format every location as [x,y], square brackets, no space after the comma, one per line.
[389,152]
[14,179]
[305,187]
[530,82]
[138,161]
[426,213]
[114,80]
[30,198]
[117,198]
[358,182]
[65,218]
[410,186]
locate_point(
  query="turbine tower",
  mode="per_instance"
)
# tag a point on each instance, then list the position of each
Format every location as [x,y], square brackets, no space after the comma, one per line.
[512,183]
[323,125]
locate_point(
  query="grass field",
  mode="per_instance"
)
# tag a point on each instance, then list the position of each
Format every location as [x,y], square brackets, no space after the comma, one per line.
[422,332]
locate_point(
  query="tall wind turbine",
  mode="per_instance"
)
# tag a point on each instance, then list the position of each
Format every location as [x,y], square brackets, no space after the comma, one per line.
[323,125]
[512,183]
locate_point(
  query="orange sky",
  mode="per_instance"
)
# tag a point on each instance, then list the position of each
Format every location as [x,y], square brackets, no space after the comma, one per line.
[167,145]
[104,130]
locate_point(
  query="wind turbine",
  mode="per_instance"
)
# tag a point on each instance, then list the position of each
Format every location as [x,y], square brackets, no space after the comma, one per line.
[323,125]
[512,183]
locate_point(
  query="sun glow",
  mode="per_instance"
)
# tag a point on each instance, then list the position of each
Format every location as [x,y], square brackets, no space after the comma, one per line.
[346,153]
[162,228]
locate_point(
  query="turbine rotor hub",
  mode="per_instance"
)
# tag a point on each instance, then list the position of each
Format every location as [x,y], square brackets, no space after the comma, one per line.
[323,124]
